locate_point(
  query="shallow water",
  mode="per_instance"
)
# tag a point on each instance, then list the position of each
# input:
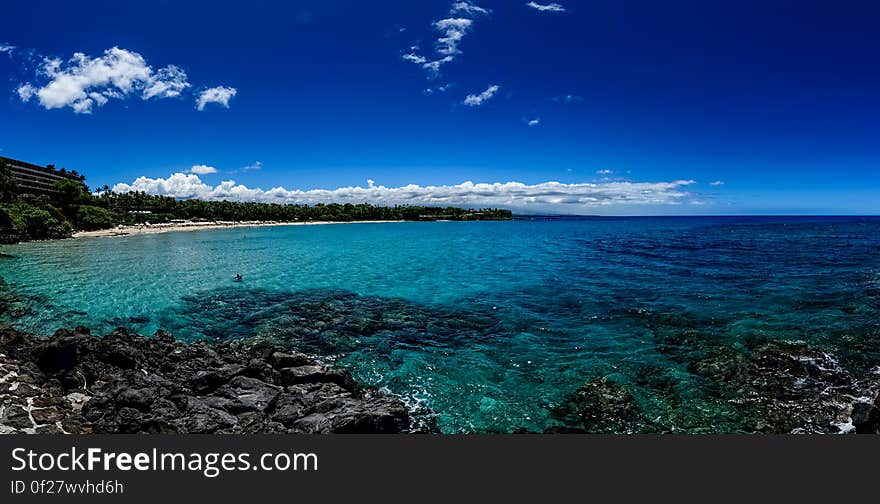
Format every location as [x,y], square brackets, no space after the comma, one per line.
[489,324]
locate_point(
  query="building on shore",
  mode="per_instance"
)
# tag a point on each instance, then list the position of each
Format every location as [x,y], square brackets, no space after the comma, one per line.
[31,178]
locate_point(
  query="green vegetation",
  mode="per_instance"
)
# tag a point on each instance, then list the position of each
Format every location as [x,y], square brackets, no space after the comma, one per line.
[28,217]
[24,221]
[132,208]
[71,207]
[91,218]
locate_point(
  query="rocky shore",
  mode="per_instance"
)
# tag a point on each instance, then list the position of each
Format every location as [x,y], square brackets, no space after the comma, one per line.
[76,383]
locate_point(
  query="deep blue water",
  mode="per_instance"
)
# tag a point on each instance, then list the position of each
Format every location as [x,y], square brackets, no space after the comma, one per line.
[489,324]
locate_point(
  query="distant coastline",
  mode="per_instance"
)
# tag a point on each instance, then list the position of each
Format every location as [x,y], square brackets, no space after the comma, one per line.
[41,203]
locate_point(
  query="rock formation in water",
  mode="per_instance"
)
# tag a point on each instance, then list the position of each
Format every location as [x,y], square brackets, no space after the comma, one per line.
[779,387]
[124,383]
[599,406]
[796,388]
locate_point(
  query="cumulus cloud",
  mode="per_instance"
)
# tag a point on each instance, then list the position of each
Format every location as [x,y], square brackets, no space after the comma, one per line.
[554,196]
[203,169]
[534,122]
[26,92]
[552,7]
[169,83]
[605,172]
[717,183]
[6,48]
[475,100]
[219,94]
[255,166]
[452,31]
[83,82]
[467,8]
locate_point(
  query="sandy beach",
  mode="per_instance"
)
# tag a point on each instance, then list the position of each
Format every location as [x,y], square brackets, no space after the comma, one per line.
[195,226]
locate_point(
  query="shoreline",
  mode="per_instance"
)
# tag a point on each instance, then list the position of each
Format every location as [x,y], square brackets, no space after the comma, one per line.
[124,383]
[197,226]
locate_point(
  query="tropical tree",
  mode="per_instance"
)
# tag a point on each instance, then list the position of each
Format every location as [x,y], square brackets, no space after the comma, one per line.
[90,218]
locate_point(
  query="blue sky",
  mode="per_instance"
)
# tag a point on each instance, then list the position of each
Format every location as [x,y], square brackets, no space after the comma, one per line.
[633,107]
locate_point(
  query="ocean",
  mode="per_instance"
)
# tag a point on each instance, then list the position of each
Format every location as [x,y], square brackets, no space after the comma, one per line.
[486,326]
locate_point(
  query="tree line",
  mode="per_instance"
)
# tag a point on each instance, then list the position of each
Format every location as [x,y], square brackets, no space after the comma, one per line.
[72,207]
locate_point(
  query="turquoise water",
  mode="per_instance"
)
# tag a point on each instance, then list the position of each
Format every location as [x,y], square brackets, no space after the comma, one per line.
[488,324]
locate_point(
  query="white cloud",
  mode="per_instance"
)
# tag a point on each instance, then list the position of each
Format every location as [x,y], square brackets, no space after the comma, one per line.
[717,183]
[433,67]
[553,7]
[83,81]
[202,169]
[467,8]
[478,99]
[98,98]
[26,92]
[605,172]
[415,58]
[219,94]
[83,106]
[6,48]
[255,166]
[555,196]
[438,89]
[452,31]
[534,122]
[169,83]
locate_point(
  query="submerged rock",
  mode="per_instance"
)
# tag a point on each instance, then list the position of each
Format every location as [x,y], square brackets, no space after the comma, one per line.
[600,406]
[792,387]
[328,321]
[125,383]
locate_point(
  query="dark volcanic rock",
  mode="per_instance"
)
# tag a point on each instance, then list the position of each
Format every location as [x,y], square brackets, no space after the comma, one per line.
[786,387]
[598,406]
[57,357]
[243,394]
[16,417]
[800,389]
[126,383]
[283,360]
[777,387]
